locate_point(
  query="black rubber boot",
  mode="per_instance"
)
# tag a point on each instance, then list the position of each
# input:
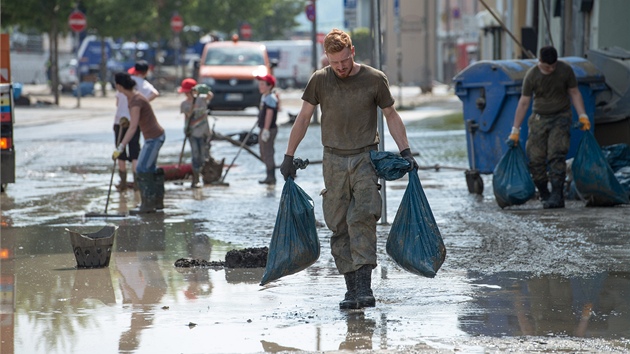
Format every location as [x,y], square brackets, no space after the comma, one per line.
[147,187]
[159,188]
[123,181]
[195,179]
[135,182]
[365,296]
[556,199]
[271,177]
[350,300]
[543,190]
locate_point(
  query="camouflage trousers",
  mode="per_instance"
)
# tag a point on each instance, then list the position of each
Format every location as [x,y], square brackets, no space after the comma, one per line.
[547,146]
[352,206]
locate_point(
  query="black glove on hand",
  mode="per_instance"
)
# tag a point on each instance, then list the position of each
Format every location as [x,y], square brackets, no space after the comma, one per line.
[406,154]
[287,168]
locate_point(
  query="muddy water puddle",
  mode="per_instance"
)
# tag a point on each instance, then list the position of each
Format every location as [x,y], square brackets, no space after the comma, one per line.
[519,279]
[142,303]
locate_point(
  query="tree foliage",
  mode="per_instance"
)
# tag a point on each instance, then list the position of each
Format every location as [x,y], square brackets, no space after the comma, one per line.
[363,44]
[149,20]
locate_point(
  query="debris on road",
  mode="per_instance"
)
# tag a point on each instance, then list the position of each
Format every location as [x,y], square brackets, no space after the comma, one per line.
[245,258]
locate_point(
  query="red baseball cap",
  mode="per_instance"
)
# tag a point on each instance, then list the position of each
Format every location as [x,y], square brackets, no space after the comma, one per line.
[187,85]
[268,79]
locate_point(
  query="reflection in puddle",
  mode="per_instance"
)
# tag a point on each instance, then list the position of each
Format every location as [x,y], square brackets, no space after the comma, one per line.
[518,304]
[142,303]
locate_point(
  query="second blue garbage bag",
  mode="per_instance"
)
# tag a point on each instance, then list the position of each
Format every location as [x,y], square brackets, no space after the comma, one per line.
[594,179]
[511,181]
[294,244]
[414,240]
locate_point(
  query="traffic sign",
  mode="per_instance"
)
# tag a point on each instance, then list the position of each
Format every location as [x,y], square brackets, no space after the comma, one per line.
[177,23]
[320,37]
[246,31]
[310,11]
[77,21]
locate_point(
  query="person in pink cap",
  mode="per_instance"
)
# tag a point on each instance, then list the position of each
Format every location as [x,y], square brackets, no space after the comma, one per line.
[196,127]
[267,116]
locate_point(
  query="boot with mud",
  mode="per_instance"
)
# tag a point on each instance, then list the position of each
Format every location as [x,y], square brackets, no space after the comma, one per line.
[195,179]
[271,177]
[350,302]
[365,296]
[556,199]
[135,182]
[159,187]
[543,190]
[148,193]
[123,181]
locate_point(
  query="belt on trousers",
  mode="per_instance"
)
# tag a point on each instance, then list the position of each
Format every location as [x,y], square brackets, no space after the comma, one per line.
[343,152]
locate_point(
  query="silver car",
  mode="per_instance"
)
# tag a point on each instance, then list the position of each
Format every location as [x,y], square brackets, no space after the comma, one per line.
[68,75]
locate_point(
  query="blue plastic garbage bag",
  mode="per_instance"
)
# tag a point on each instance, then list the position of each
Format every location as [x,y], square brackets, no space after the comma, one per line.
[294,244]
[414,240]
[388,165]
[511,181]
[617,155]
[594,179]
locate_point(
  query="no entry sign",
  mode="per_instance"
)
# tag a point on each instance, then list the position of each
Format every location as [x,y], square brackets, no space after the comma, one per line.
[77,21]
[177,23]
[246,31]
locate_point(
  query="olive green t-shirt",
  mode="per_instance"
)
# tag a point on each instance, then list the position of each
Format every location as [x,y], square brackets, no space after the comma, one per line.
[550,91]
[349,106]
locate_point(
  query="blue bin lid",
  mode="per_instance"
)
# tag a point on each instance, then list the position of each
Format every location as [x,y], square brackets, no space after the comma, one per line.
[488,72]
[512,72]
[501,79]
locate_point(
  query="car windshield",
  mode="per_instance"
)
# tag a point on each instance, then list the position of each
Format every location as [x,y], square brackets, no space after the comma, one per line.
[234,56]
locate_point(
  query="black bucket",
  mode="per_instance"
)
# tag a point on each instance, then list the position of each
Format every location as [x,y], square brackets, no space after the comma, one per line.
[95,249]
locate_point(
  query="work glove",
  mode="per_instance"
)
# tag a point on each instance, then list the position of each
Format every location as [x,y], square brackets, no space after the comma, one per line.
[124,122]
[288,169]
[264,135]
[512,140]
[118,151]
[201,89]
[406,154]
[585,124]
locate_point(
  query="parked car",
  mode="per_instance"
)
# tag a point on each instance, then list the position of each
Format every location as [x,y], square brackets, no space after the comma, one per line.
[68,75]
[230,69]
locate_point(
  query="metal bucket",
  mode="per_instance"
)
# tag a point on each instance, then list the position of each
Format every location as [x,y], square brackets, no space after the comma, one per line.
[93,250]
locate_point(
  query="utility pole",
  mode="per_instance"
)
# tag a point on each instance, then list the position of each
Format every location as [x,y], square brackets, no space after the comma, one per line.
[314,58]
[376,30]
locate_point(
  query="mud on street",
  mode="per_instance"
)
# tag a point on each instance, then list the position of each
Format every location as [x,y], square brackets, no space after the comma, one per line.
[520,279]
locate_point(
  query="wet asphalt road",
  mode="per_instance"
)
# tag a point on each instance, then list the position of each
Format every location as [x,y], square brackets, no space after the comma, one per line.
[521,279]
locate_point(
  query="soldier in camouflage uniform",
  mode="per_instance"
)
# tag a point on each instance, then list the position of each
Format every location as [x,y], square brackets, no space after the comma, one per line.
[553,85]
[349,95]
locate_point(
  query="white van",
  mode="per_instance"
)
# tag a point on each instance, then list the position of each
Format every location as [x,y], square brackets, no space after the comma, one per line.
[294,61]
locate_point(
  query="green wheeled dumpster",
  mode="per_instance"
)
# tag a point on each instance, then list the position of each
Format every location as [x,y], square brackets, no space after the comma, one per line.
[490,91]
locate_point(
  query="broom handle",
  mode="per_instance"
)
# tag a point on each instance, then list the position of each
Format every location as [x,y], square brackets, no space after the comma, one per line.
[111,178]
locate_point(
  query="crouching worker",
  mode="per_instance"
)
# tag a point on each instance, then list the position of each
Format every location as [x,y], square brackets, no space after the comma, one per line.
[150,178]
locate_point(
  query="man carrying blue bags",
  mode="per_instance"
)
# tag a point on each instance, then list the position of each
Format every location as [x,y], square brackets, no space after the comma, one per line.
[553,86]
[349,95]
